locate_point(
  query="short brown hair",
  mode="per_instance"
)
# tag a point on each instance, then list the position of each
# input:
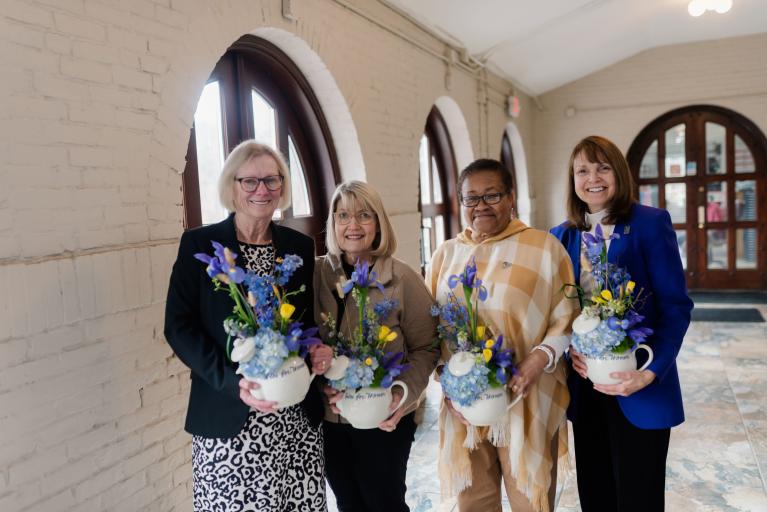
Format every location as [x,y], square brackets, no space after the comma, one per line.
[598,149]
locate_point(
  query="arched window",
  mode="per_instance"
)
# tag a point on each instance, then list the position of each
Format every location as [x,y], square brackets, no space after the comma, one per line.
[708,166]
[438,202]
[507,159]
[256,91]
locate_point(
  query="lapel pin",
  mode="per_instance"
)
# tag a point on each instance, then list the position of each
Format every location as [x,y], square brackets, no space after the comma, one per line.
[506,264]
[626,230]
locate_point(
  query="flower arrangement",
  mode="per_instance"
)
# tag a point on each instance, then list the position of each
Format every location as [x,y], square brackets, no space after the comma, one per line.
[261,325]
[479,361]
[360,357]
[608,319]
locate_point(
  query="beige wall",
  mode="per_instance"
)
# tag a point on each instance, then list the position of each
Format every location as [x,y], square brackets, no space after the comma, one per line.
[620,100]
[96,102]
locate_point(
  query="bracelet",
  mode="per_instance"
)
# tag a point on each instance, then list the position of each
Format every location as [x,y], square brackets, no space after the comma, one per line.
[551,362]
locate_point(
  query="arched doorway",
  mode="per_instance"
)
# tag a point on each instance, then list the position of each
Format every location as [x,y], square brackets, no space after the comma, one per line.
[256,91]
[707,166]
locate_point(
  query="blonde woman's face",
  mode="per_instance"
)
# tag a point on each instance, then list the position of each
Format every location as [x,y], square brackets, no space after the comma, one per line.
[355,229]
[260,203]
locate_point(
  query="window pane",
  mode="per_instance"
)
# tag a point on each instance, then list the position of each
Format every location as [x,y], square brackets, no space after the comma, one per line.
[744,161]
[439,229]
[649,166]
[676,202]
[675,156]
[716,154]
[745,248]
[717,249]
[298,189]
[745,200]
[208,136]
[648,195]
[716,201]
[423,164]
[264,123]
[426,240]
[435,182]
[681,240]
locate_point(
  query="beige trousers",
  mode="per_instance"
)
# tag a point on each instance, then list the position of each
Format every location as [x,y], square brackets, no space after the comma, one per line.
[489,465]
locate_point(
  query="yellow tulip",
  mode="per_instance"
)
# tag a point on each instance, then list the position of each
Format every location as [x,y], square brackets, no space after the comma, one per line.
[369,361]
[480,332]
[489,343]
[630,286]
[286,310]
[598,299]
[386,335]
[606,295]
[487,355]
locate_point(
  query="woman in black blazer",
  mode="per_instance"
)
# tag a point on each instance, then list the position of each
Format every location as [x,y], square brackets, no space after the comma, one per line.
[246,454]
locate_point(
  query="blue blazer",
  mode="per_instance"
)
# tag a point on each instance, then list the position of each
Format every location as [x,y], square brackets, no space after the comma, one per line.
[648,250]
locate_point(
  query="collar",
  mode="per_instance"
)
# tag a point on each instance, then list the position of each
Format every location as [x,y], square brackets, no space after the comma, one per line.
[514,227]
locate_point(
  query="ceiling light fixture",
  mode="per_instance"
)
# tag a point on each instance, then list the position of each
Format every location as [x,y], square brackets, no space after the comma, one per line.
[699,7]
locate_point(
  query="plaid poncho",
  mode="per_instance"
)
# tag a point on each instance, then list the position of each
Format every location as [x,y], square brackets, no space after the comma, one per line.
[524,270]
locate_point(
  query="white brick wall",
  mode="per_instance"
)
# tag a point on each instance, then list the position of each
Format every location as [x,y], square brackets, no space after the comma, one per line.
[96,102]
[619,101]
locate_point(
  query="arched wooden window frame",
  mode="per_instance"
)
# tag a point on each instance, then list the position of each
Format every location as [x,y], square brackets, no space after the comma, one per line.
[694,117]
[252,62]
[441,150]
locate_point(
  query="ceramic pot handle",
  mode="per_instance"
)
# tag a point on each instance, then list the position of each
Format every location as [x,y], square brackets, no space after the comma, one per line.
[650,355]
[514,402]
[404,393]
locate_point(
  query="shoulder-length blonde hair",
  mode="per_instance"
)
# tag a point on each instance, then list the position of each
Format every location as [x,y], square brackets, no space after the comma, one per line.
[238,157]
[598,149]
[360,195]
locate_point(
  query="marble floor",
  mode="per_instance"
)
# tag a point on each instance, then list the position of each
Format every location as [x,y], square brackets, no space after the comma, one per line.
[717,459]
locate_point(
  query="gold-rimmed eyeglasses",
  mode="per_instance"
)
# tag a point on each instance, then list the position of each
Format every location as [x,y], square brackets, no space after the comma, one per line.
[362,217]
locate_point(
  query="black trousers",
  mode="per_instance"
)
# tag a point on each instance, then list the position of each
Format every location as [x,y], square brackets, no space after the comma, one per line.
[366,468]
[620,467]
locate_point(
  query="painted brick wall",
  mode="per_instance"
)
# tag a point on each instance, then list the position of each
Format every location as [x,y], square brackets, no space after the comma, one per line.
[619,101]
[96,102]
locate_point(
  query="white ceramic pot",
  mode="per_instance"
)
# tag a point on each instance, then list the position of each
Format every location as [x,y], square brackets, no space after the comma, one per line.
[490,407]
[367,407]
[600,368]
[290,385]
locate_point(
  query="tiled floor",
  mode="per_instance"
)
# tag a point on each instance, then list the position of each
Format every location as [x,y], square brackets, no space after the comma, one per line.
[718,458]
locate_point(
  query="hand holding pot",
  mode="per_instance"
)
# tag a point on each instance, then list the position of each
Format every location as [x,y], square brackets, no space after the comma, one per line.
[631,382]
[391,423]
[246,396]
[579,363]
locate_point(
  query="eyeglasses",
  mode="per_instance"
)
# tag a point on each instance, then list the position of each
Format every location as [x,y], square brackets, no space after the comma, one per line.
[363,217]
[489,199]
[270,182]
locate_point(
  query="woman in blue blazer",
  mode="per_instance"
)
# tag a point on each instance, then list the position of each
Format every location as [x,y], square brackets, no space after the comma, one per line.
[622,430]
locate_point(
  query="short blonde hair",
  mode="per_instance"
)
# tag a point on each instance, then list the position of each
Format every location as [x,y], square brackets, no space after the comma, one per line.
[241,155]
[361,195]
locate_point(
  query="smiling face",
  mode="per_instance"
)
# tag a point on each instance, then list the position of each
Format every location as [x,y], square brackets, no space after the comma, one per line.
[594,182]
[356,237]
[485,219]
[262,202]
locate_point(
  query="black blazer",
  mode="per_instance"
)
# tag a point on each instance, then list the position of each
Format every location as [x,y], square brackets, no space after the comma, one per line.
[194,316]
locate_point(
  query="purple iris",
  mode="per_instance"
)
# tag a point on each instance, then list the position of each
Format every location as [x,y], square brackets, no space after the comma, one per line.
[640,334]
[363,277]
[301,339]
[392,367]
[220,264]
[468,278]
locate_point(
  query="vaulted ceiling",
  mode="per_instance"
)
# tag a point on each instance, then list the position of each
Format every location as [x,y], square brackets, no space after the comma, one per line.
[542,44]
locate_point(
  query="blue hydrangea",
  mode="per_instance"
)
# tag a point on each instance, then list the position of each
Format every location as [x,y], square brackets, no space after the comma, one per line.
[599,341]
[271,352]
[466,388]
[358,375]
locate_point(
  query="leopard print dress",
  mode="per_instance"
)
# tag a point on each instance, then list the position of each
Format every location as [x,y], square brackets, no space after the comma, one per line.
[275,463]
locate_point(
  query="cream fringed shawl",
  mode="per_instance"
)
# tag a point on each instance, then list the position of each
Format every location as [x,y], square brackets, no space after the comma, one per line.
[524,270]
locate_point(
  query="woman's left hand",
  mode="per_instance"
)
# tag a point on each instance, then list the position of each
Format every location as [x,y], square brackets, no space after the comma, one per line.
[528,372]
[321,357]
[631,382]
[390,424]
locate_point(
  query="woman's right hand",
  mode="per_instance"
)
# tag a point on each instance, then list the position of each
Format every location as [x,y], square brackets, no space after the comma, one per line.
[456,414]
[579,363]
[334,396]
[253,402]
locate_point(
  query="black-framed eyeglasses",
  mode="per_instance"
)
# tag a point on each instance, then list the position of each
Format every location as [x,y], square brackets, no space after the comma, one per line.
[362,217]
[489,199]
[270,182]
